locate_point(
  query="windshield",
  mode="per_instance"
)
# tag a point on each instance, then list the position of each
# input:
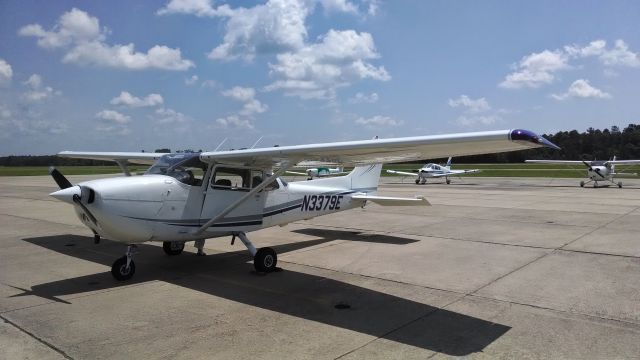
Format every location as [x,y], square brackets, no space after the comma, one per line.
[186,168]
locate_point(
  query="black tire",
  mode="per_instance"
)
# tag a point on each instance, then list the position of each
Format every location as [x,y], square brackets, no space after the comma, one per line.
[620,184]
[173,248]
[417,181]
[265,260]
[119,269]
[581,183]
[448,181]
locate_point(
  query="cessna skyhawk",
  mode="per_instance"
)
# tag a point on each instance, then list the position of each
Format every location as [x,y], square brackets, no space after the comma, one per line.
[315,172]
[193,197]
[432,170]
[596,170]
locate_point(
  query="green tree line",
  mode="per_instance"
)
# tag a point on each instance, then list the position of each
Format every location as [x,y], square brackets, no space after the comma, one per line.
[588,145]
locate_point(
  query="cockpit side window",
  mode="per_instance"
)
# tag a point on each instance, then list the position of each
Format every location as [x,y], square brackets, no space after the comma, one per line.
[236,179]
[186,168]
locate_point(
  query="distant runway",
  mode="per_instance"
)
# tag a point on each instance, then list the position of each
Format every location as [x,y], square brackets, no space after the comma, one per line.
[496,268]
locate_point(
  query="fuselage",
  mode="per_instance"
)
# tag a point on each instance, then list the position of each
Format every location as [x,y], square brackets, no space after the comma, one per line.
[598,173]
[161,208]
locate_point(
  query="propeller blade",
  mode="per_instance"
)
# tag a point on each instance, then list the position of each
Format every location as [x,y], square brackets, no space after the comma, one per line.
[62,181]
[587,164]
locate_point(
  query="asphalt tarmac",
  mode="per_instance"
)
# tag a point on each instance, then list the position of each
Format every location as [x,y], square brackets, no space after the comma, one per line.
[496,268]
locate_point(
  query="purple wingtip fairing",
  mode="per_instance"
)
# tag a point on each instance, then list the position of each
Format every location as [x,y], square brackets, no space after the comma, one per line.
[521,135]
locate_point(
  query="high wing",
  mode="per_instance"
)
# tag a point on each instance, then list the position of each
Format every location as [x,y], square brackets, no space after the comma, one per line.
[296,173]
[559,162]
[402,173]
[623,162]
[384,150]
[456,172]
[131,157]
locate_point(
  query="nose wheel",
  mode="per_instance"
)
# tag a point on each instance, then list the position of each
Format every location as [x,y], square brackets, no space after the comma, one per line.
[124,268]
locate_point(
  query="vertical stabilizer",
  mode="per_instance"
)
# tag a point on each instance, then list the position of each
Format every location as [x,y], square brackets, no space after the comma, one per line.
[365,178]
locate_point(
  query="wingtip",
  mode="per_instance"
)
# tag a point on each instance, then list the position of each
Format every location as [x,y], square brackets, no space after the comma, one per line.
[527,136]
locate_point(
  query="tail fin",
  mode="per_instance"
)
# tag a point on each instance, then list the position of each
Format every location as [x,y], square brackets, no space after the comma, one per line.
[365,178]
[449,162]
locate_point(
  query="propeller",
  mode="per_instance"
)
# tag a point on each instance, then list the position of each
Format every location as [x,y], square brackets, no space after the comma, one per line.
[587,165]
[62,181]
[86,195]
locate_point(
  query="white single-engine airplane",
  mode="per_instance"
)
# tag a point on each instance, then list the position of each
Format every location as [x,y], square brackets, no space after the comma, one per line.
[432,170]
[235,192]
[596,170]
[319,172]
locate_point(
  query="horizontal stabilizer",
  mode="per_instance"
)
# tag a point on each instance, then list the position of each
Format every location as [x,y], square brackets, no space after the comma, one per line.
[393,201]
[401,173]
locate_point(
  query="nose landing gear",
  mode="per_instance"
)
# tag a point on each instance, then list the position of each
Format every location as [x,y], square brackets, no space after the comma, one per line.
[124,268]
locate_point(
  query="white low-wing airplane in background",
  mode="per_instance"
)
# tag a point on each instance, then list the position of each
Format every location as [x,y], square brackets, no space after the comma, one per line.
[432,170]
[596,170]
[234,192]
[319,171]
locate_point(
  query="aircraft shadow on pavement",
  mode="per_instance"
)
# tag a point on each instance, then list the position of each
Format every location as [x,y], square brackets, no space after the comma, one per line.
[331,235]
[306,296]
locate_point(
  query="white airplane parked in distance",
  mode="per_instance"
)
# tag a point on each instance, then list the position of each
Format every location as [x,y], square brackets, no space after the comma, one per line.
[432,170]
[236,192]
[316,172]
[596,170]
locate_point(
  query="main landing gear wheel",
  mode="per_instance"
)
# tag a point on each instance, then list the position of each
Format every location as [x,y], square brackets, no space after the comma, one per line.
[448,181]
[417,181]
[172,248]
[265,260]
[581,183]
[620,184]
[121,271]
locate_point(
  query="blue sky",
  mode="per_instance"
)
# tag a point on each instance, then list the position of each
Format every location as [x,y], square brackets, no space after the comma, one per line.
[128,76]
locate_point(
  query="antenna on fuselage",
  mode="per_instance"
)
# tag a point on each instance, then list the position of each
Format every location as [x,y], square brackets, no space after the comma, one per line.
[256,143]
[218,147]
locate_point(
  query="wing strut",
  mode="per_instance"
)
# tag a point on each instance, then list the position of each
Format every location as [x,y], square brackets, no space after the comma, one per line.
[255,190]
[124,166]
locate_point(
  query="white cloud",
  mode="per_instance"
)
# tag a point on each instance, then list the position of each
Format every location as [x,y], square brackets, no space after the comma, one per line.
[192,80]
[594,48]
[74,26]
[317,70]
[113,117]
[364,98]
[37,92]
[234,121]
[339,6]
[470,105]
[126,99]
[373,8]
[6,72]
[80,33]
[195,7]
[267,28]
[536,69]
[539,69]
[251,107]
[620,55]
[307,70]
[474,120]
[240,93]
[582,89]
[169,116]
[209,84]
[378,121]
